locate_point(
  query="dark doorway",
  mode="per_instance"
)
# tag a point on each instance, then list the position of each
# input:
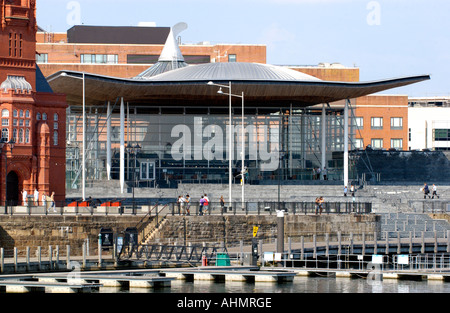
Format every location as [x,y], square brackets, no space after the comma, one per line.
[13,188]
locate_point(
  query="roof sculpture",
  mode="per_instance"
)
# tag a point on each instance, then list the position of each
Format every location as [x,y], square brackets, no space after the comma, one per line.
[170,58]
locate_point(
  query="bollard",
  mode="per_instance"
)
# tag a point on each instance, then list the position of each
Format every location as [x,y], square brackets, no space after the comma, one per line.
[2,259]
[68,255]
[39,258]
[50,257]
[204,261]
[28,258]
[15,259]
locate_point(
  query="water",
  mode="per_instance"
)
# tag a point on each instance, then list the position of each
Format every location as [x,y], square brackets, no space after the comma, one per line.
[299,285]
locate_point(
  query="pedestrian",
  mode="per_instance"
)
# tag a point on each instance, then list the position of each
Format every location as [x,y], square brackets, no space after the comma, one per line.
[187,201]
[434,192]
[352,190]
[179,202]
[345,191]
[52,201]
[24,197]
[318,170]
[325,173]
[319,205]
[36,197]
[44,200]
[200,207]
[426,191]
[222,203]
[206,203]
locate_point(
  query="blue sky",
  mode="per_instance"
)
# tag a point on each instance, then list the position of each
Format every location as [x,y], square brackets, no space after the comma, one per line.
[384,38]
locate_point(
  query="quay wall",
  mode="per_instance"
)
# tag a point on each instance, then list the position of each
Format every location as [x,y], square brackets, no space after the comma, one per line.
[43,231]
[233,229]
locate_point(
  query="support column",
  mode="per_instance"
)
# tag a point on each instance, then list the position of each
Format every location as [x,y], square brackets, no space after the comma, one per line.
[108,142]
[346,142]
[324,139]
[122,146]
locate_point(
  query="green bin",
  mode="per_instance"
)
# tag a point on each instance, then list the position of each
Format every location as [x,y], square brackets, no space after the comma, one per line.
[222,259]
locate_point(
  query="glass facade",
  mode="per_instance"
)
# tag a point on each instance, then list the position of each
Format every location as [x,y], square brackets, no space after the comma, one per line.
[192,145]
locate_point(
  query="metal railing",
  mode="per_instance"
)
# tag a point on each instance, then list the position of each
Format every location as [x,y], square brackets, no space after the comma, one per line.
[213,208]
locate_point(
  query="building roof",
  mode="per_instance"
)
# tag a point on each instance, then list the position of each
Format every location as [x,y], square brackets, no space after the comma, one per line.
[117,34]
[263,85]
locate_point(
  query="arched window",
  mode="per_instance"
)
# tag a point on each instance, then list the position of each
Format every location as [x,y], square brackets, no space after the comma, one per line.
[21,135]
[5,113]
[38,116]
[27,113]
[44,116]
[15,113]
[55,117]
[21,113]
[27,136]
[14,136]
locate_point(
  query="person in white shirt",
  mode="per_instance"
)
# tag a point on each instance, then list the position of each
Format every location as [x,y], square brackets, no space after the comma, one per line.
[36,197]
[434,192]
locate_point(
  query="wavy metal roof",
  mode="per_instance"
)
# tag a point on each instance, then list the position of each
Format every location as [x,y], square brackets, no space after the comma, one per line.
[233,71]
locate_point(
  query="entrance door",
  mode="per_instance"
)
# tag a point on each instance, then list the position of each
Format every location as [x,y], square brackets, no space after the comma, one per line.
[13,189]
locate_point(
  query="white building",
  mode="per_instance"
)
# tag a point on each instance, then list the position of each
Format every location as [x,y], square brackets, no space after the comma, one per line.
[429,123]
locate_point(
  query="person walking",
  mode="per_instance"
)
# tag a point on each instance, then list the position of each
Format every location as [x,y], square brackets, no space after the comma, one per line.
[52,201]
[36,197]
[24,197]
[206,203]
[44,200]
[434,189]
[426,191]
[187,201]
[200,208]
[222,204]
[345,191]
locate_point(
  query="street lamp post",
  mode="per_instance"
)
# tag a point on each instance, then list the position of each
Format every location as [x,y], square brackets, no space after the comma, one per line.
[230,140]
[5,144]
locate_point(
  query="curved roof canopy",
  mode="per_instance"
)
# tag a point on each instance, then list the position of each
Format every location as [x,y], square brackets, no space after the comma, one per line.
[263,85]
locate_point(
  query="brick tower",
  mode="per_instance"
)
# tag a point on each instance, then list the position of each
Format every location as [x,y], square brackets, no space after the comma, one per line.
[33,117]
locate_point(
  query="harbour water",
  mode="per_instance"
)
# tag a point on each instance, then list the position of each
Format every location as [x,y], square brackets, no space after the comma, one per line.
[299,285]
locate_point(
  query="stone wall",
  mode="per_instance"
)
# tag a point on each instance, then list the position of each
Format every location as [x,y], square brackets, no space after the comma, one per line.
[233,229]
[45,231]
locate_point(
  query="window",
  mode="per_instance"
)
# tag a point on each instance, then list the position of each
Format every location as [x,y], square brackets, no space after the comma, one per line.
[397,143]
[100,58]
[14,136]
[5,113]
[359,143]
[376,122]
[44,116]
[5,134]
[27,136]
[21,135]
[38,116]
[359,122]
[396,123]
[377,143]
[55,126]
[232,58]
[5,122]
[441,134]
[27,114]
[21,113]
[15,113]
[147,170]
[41,58]
[55,117]
[55,138]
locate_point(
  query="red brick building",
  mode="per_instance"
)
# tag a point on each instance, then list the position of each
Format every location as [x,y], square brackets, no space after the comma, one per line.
[33,117]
